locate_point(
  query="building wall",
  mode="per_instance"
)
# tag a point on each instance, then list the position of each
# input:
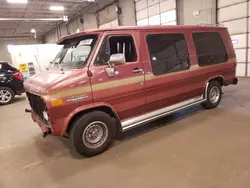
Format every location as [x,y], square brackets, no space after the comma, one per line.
[51,37]
[155,12]
[127,18]
[107,18]
[193,12]
[234,14]
[71,27]
[4,54]
[103,19]
[90,21]
[107,15]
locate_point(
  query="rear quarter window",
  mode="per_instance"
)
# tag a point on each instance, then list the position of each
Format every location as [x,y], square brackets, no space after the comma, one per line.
[210,48]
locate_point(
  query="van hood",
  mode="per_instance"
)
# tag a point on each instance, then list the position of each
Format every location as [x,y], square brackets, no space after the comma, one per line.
[53,80]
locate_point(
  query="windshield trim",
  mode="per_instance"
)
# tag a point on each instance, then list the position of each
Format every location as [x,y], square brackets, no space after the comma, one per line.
[96,38]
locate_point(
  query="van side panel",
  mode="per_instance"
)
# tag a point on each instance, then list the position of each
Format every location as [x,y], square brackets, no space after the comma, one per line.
[126,90]
[226,70]
[170,88]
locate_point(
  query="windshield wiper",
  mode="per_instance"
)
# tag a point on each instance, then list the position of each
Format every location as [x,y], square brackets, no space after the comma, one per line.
[59,64]
[61,68]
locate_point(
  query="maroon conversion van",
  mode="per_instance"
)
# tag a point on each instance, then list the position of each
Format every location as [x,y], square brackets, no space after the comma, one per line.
[107,81]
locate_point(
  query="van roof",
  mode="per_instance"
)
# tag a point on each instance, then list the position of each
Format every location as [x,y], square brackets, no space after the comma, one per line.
[129,28]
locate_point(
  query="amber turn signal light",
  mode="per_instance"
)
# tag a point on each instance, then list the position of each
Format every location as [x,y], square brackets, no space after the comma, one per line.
[55,103]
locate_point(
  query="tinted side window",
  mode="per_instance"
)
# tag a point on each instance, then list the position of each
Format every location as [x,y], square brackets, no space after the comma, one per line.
[115,45]
[210,48]
[168,53]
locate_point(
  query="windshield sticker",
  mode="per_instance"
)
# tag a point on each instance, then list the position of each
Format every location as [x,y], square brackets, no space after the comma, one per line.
[86,42]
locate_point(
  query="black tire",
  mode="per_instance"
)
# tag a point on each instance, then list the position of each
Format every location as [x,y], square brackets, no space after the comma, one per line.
[82,127]
[12,95]
[210,103]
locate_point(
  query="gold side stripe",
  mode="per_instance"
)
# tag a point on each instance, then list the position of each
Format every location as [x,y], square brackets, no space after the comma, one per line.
[117,83]
[192,68]
[152,76]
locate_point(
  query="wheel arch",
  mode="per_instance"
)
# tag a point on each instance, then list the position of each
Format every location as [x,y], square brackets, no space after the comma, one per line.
[8,86]
[218,78]
[100,107]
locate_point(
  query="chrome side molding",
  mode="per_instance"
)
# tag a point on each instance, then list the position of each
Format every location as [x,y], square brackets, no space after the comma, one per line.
[151,116]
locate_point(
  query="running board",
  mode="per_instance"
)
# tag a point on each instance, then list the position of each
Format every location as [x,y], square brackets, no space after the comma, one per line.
[151,116]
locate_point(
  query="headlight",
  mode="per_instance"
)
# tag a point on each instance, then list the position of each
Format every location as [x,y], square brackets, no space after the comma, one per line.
[45,115]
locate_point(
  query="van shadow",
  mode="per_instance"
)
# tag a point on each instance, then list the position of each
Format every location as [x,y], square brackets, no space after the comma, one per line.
[58,153]
[123,137]
[162,122]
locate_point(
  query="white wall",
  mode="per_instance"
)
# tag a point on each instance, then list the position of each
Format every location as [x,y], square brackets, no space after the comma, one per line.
[4,54]
[155,12]
[233,15]
[39,54]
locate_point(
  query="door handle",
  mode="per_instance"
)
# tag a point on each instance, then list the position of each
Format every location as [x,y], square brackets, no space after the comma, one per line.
[137,70]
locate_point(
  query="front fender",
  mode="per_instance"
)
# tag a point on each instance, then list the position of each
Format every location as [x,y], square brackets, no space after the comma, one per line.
[87,107]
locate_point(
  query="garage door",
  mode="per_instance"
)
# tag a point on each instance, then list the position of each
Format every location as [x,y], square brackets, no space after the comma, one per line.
[155,12]
[112,24]
[233,14]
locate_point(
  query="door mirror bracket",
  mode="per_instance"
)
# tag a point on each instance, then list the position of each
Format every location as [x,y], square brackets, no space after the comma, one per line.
[115,59]
[111,72]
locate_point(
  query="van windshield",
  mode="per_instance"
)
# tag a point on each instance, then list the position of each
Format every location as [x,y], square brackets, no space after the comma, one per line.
[75,52]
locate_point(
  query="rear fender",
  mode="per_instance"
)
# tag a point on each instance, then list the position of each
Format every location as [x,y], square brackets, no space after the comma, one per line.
[207,83]
[214,78]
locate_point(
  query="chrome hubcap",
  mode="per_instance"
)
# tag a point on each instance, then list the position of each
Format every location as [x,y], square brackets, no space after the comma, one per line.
[95,134]
[5,96]
[214,94]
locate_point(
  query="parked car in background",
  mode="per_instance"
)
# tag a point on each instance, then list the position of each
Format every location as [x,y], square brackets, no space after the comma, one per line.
[11,83]
[110,80]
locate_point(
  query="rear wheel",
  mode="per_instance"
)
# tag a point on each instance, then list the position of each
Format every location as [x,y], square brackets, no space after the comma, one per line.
[6,95]
[213,95]
[92,133]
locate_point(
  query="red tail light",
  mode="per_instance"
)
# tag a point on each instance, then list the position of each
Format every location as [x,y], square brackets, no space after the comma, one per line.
[18,75]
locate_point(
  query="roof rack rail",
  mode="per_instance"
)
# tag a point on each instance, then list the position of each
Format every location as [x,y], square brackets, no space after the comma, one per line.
[215,25]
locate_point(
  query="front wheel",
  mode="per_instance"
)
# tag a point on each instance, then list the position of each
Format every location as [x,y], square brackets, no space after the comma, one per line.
[92,133]
[6,95]
[213,95]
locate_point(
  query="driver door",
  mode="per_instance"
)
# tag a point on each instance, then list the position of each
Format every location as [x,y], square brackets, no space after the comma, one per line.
[125,91]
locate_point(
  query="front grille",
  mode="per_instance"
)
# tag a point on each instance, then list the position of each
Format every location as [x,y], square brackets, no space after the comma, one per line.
[37,105]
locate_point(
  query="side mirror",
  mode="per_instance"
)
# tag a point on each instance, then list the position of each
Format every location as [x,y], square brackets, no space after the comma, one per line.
[117,59]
